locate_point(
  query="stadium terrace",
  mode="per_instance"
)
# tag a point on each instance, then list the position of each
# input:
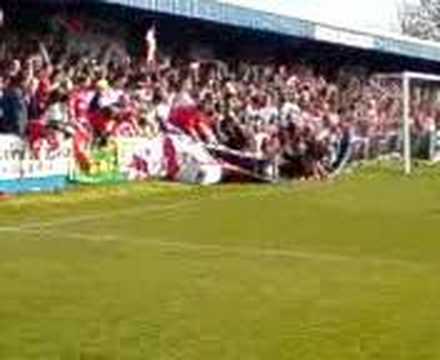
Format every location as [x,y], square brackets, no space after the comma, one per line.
[199,92]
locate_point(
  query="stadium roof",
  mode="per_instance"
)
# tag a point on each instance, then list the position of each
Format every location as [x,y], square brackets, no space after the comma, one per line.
[215,11]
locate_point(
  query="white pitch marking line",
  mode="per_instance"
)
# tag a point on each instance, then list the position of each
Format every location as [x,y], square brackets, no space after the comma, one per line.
[72,235]
[35,228]
[168,212]
[216,249]
[95,216]
[127,211]
[221,249]
[282,253]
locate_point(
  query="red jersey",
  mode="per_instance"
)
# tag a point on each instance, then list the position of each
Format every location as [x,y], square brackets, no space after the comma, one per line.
[189,118]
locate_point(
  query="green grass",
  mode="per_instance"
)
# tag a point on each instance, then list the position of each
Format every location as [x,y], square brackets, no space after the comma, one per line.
[347,269]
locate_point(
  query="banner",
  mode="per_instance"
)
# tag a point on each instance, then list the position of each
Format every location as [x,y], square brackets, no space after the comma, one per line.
[141,158]
[21,170]
[196,165]
[168,157]
[103,169]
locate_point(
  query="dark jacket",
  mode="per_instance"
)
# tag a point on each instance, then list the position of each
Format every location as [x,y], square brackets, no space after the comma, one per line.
[1,114]
[15,112]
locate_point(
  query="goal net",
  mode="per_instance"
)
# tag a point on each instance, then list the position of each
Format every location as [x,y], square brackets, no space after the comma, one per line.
[401,118]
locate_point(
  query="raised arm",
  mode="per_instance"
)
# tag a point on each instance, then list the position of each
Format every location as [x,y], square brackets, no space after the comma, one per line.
[44,53]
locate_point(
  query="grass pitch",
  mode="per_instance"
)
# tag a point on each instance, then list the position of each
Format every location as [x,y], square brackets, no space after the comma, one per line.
[343,270]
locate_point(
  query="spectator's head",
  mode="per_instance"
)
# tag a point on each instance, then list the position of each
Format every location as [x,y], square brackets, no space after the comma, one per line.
[102,86]
[15,68]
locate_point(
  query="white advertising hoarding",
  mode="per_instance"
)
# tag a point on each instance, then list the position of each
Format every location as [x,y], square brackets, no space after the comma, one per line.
[19,164]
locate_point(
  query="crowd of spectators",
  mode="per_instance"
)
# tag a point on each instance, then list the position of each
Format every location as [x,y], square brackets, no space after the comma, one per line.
[289,113]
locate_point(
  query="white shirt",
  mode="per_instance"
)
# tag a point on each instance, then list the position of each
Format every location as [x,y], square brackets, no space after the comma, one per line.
[110,97]
[57,112]
[259,140]
[185,100]
[268,113]
[290,110]
[252,112]
[163,111]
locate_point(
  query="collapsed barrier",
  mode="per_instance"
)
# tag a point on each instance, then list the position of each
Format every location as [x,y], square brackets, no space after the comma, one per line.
[173,157]
[167,157]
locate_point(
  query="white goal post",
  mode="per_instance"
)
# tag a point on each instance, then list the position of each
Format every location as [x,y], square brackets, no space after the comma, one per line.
[406,78]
